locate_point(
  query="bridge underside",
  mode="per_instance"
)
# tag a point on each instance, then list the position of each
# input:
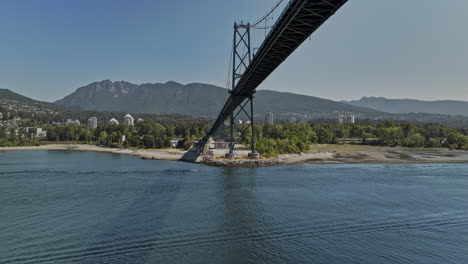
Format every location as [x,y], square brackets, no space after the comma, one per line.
[298,21]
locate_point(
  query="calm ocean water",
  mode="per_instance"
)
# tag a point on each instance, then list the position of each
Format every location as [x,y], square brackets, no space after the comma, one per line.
[87,207]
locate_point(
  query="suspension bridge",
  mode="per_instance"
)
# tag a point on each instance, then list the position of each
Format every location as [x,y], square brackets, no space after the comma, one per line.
[252,65]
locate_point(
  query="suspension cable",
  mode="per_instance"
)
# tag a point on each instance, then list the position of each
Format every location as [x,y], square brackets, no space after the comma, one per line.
[228,81]
[255,26]
[267,15]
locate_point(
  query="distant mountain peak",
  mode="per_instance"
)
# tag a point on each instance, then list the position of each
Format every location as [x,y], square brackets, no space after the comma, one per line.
[103,83]
[173,83]
[195,99]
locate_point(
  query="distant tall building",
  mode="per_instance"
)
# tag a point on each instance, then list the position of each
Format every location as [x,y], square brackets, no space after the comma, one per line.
[269,118]
[113,121]
[72,122]
[346,118]
[303,119]
[129,120]
[92,122]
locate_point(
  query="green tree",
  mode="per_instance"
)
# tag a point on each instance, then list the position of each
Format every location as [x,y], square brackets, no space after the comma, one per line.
[148,141]
[102,139]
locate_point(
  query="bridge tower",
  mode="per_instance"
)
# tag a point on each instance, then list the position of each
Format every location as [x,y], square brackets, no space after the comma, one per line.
[241,58]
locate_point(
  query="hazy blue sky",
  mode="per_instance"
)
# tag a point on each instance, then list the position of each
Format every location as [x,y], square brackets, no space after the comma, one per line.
[392,48]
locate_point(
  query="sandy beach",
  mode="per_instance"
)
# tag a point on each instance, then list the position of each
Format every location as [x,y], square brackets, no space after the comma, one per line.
[164,154]
[358,154]
[318,154]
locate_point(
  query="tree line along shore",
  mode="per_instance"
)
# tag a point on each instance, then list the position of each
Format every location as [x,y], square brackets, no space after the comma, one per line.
[271,139]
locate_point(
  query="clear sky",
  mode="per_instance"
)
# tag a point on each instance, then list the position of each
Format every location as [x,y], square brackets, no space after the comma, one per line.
[393,48]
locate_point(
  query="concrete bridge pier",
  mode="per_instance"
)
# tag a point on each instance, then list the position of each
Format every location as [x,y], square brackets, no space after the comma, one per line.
[230,155]
[254,155]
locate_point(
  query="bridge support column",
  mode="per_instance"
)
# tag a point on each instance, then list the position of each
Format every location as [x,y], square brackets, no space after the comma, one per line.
[244,130]
[231,154]
[253,154]
[241,59]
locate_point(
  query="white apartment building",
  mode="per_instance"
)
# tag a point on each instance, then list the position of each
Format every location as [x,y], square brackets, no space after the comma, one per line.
[92,122]
[129,120]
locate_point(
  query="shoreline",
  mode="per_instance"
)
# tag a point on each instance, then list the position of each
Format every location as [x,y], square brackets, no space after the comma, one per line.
[319,154]
[174,155]
[359,154]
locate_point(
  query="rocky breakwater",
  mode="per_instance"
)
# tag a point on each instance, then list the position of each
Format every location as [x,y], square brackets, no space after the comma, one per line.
[243,163]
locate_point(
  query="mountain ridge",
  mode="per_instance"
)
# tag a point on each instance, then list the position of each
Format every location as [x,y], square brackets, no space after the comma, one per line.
[405,106]
[195,99]
[7,94]
[282,104]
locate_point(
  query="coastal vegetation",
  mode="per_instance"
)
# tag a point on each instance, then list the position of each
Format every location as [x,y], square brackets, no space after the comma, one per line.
[145,134]
[295,138]
[271,139]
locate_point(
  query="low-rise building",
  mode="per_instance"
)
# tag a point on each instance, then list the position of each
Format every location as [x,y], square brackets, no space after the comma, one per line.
[174,142]
[346,118]
[220,145]
[70,122]
[41,133]
[304,119]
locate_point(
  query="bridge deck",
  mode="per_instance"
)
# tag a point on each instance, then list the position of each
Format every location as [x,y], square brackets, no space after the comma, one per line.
[298,21]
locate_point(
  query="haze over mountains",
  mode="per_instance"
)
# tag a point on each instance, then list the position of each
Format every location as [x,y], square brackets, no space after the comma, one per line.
[199,100]
[405,106]
[194,99]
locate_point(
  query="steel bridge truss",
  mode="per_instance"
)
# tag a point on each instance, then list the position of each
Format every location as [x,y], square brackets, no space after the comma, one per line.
[242,57]
[236,132]
[298,21]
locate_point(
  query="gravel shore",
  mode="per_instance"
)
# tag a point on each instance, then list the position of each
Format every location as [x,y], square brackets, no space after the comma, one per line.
[319,154]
